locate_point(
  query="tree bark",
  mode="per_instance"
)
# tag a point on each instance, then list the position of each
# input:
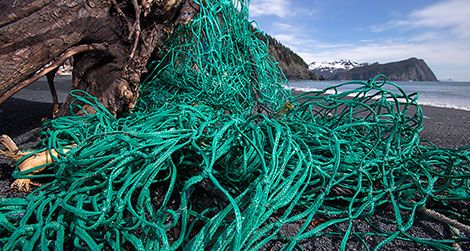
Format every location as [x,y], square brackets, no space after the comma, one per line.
[111,42]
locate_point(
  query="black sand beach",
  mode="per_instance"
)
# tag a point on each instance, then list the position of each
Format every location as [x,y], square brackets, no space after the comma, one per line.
[21,116]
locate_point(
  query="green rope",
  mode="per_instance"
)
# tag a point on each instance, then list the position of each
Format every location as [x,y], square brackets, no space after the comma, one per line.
[218,154]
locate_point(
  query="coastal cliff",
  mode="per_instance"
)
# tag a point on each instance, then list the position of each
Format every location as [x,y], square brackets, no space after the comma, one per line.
[293,66]
[405,70]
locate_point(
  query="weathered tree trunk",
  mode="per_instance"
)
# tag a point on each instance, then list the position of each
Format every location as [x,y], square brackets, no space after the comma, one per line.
[111,42]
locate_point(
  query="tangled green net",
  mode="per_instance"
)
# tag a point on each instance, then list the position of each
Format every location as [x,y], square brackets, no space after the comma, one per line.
[218,154]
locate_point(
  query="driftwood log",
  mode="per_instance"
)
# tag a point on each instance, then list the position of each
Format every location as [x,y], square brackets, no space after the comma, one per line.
[111,42]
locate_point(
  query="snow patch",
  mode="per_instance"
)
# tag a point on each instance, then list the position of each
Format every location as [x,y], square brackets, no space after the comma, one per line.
[331,66]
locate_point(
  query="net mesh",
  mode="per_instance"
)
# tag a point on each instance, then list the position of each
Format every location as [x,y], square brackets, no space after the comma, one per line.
[219,154]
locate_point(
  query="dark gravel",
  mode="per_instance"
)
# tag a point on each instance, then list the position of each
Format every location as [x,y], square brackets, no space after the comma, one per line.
[445,127]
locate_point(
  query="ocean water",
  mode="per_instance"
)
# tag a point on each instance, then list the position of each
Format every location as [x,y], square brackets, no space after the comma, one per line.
[454,95]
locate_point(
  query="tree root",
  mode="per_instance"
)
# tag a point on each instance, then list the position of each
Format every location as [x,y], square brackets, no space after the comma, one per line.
[55,99]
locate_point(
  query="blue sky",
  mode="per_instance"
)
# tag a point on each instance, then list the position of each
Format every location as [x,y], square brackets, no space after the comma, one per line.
[437,31]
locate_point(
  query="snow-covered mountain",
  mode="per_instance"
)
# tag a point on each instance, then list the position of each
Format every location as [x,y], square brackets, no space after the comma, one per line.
[408,69]
[328,68]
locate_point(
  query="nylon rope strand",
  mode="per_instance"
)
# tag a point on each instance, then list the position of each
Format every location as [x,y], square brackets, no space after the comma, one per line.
[218,154]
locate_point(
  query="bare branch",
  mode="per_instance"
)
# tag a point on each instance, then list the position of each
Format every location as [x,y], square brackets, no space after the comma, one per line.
[67,54]
[55,100]
[136,27]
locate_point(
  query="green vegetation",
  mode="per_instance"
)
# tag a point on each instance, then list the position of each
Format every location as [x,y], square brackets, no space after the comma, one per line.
[293,66]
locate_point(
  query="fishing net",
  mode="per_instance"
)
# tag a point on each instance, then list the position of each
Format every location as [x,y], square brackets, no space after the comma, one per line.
[218,154]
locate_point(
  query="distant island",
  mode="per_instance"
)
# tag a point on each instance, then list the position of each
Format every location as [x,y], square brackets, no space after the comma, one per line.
[295,68]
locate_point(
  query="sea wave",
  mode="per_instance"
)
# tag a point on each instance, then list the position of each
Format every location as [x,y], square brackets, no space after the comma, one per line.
[310,89]
[420,102]
[442,105]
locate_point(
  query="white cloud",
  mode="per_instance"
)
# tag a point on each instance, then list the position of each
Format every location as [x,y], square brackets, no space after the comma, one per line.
[298,42]
[426,36]
[278,8]
[451,14]
[284,26]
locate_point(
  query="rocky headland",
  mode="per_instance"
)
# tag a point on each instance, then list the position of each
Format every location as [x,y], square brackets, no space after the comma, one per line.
[412,69]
